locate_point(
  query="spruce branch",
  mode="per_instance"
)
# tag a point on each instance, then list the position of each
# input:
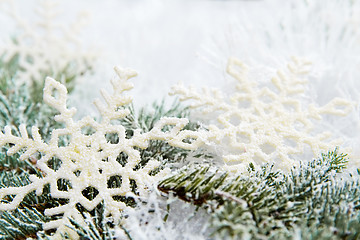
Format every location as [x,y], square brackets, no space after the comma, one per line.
[97,225]
[22,223]
[17,106]
[268,204]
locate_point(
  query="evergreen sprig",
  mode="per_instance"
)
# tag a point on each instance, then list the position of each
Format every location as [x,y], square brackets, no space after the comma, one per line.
[22,223]
[309,201]
[98,226]
[17,106]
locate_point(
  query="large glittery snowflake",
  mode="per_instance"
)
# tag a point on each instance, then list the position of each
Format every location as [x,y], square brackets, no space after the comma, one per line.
[46,47]
[89,159]
[269,123]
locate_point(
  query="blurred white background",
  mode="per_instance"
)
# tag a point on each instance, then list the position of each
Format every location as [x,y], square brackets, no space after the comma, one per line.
[190,41]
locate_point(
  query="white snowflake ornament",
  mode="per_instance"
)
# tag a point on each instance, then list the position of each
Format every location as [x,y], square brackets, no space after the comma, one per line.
[263,124]
[88,160]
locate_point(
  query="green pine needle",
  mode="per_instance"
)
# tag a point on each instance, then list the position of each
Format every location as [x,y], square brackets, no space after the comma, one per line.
[268,204]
